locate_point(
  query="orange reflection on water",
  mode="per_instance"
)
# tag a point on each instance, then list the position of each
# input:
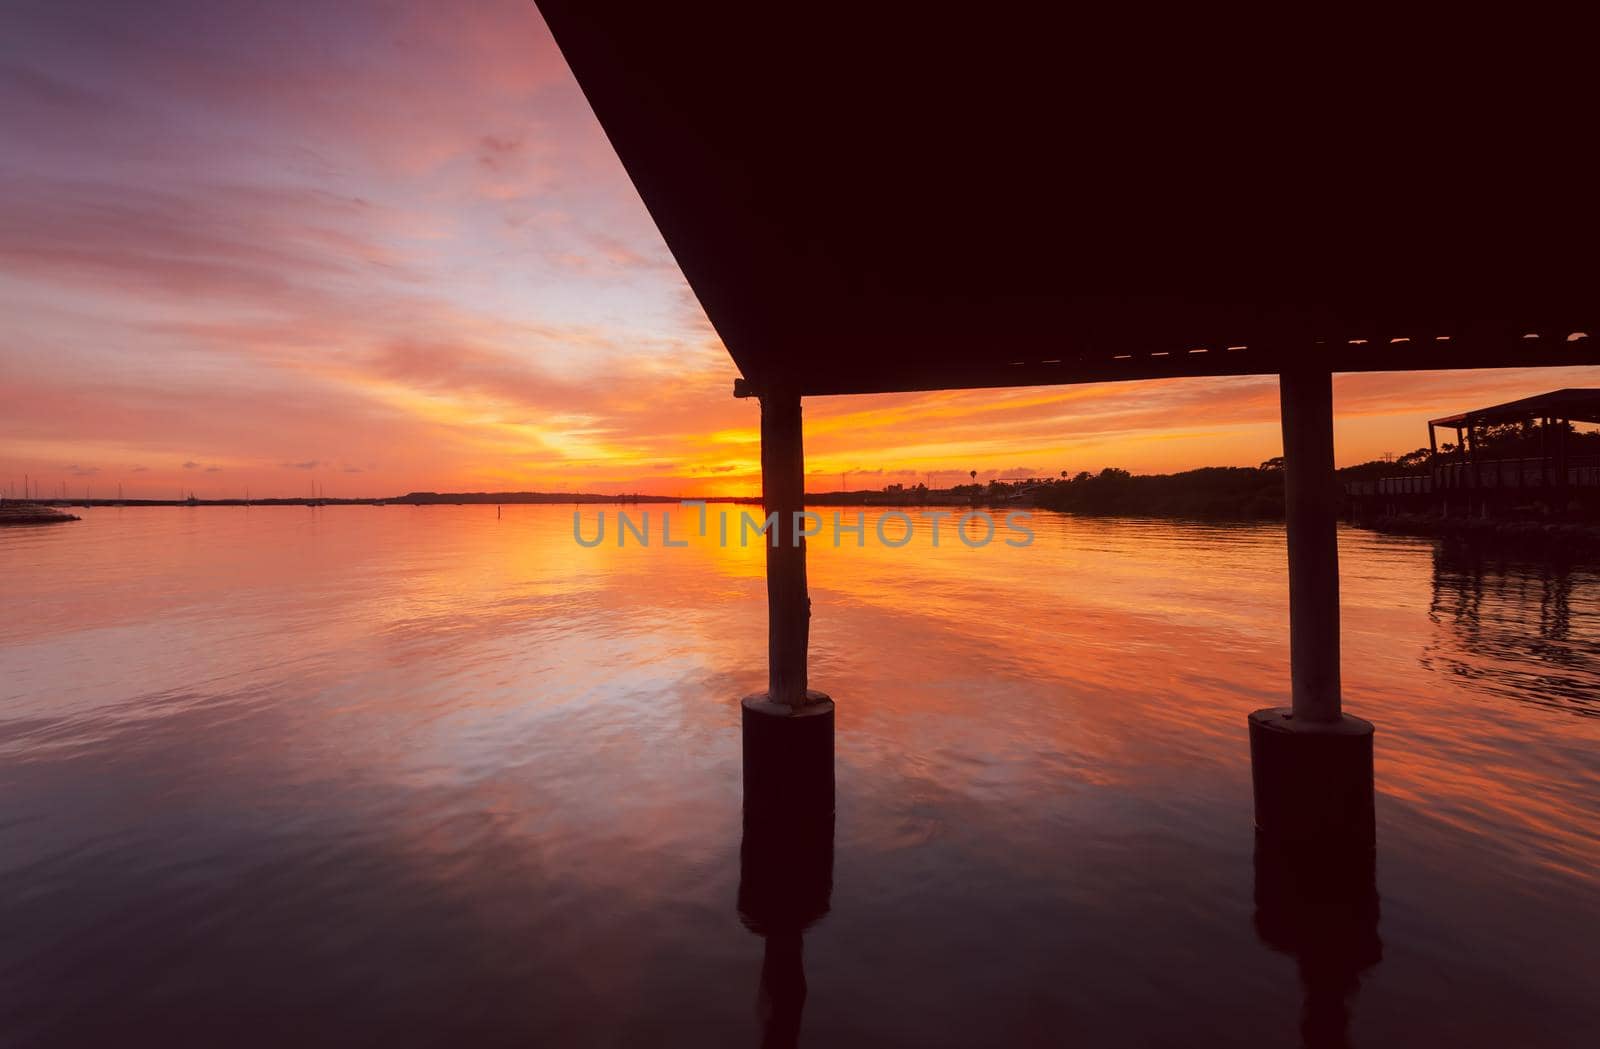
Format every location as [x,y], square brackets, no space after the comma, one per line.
[444,724]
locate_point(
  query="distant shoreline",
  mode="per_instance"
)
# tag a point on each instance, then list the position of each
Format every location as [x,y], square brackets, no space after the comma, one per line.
[1521,535]
[1580,538]
[863,498]
[410,499]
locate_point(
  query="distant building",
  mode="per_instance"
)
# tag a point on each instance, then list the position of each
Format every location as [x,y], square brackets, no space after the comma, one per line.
[1503,456]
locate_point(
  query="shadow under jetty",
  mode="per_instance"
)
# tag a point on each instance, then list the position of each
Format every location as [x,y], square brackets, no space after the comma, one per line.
[1319,905]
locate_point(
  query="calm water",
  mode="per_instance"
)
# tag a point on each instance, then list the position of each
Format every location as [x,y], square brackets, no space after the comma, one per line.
[413,776]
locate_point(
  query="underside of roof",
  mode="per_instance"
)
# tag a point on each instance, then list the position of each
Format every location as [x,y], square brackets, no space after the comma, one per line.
[870,199]
[1577,405]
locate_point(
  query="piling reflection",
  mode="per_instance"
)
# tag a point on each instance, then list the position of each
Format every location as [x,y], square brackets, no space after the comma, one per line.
[1516,628]
[1319,905]
[785,887]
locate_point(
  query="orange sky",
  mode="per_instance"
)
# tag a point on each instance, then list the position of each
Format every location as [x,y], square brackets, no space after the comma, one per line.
[383,248]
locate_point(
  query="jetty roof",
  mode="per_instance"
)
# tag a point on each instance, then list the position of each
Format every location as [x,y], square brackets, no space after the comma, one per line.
[905,197]
[1578,405]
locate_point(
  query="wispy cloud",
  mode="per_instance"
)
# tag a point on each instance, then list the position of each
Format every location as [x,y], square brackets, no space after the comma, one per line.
[389,239]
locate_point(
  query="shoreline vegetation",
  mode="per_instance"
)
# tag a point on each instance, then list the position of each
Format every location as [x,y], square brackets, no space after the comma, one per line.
[1214,493]
[409,499]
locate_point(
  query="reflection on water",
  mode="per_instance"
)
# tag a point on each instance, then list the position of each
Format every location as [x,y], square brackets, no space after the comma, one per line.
[1320,907]
[785,887]
[1534,619]
[363,774]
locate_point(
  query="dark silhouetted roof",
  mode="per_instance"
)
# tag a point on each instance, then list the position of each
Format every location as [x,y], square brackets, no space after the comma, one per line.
[876,197]
[1579,405]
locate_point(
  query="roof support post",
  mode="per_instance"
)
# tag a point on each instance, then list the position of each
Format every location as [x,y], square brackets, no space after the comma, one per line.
[788,729]
[1475,453]
[1544,453]
[1434,479]
[1562,426]
[783,497]
[1311,511]
[786,857]
[1311,764]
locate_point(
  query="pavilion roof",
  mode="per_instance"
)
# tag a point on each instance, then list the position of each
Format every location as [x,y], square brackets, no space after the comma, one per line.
[881,197]
[1578,405]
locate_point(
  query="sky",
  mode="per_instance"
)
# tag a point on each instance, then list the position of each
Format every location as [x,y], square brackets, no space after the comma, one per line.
[380,247]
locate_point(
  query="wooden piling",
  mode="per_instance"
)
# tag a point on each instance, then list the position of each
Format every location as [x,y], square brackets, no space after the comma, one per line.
[783,495]
[1311,764]
[1312,513]
[788,730]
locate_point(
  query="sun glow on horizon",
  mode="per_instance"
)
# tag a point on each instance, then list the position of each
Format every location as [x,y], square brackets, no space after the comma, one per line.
[438,277]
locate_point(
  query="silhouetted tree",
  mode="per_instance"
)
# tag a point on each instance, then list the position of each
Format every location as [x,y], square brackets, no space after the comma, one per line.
[1415,460]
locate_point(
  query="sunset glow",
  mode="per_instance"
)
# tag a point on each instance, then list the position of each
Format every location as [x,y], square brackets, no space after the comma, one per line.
[547,522]
[381,248]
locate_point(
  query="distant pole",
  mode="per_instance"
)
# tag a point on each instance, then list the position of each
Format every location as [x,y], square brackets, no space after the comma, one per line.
[1311,502]
[1475,453]
[1544,453]
[1563,425]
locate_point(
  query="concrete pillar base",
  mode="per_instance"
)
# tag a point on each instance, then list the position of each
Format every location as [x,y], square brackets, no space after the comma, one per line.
[786,858]
[1312,779]
[788,755]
